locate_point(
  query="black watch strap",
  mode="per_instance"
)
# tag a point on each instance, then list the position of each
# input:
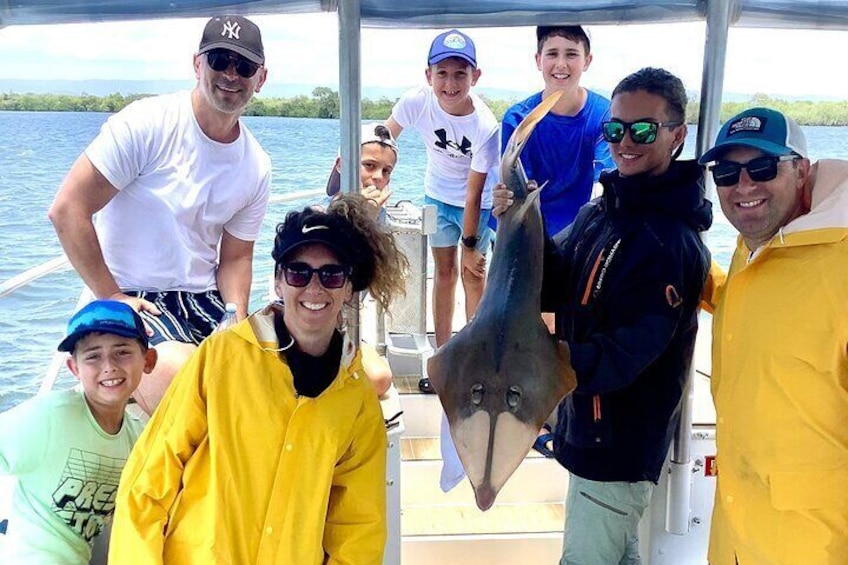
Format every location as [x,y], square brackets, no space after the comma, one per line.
[470,241]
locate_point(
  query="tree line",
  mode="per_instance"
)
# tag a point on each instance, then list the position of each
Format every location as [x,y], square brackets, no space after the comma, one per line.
[324,103]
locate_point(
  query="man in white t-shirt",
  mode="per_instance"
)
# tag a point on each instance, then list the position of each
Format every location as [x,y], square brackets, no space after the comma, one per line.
[180,187]
[461,138]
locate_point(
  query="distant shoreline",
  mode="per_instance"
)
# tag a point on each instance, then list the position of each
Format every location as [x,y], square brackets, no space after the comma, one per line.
[324,104]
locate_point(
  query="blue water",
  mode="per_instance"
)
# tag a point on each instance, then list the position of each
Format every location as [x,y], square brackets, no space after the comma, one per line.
[38,149]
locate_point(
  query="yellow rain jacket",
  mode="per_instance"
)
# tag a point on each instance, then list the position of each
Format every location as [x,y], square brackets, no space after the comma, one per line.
[234,468]
[780,385]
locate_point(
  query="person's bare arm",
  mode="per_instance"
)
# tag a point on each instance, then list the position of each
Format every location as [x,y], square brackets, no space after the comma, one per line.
[472,260]
[394,127]
[235,271]
[84,192]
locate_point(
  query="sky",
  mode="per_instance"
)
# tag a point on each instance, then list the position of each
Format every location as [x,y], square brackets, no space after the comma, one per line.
[303,49]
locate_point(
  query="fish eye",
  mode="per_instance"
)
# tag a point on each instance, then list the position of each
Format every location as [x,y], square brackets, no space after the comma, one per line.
[476,394]
[513,396]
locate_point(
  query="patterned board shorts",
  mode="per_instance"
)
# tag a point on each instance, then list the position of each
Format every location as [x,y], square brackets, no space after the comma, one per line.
[186,316]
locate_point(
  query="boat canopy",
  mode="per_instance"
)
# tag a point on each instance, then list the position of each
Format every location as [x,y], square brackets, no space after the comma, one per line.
[813,14]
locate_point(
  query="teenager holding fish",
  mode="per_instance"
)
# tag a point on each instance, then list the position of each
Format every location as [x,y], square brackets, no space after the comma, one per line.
[624,281]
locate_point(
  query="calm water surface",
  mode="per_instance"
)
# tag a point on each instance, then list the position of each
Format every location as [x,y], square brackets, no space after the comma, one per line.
[37,149]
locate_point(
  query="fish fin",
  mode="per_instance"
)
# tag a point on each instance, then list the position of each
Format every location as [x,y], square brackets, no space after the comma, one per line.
[568,378]
[521,134]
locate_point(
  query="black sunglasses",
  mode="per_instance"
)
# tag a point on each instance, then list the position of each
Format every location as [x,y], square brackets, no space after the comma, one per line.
[219,60]
[330,276]
[643,132]
[761,169]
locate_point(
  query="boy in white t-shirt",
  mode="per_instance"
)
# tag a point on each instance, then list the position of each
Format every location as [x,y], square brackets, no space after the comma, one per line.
[66,449]
[461,138]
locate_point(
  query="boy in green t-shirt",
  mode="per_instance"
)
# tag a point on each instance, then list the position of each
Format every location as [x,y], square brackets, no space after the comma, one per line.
[66,449]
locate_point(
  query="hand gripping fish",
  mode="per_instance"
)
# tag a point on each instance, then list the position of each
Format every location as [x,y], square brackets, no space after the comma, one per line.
[502,375]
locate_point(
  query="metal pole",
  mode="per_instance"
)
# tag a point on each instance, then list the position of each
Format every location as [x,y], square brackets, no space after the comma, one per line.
[719,13]
[350,99]
[712,81]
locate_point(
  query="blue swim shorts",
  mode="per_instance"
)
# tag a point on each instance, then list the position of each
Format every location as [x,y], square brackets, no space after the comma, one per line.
[449,226]
[186,316]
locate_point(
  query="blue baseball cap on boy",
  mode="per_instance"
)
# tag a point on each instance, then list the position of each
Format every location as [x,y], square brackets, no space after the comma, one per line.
[452,43]
[760,128]
[106,317]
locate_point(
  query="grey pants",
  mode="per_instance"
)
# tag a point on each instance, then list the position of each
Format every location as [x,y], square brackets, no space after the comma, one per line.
[602,520]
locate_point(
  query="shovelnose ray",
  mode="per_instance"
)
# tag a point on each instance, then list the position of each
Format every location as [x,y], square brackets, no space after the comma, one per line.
[503,374]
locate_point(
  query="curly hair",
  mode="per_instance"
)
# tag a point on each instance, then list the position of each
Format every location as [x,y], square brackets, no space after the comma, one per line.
[390,265]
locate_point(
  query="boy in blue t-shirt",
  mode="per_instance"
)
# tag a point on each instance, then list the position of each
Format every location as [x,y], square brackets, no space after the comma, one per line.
[66,449]
[566,152]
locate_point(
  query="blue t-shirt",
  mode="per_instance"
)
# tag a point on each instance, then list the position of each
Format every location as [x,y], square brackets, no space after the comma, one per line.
[566,152]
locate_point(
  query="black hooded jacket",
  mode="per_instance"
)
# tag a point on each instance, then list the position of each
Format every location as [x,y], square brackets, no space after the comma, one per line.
[625,280]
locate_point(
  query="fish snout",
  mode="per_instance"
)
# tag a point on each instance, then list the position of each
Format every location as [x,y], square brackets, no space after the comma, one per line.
[485,496]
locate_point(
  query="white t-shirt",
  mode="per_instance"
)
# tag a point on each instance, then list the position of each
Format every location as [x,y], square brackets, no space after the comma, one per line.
[179,190]
[455,144]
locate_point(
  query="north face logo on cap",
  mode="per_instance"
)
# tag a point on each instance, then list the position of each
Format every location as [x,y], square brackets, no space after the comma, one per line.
[748,123]
[231,30]
[454,41]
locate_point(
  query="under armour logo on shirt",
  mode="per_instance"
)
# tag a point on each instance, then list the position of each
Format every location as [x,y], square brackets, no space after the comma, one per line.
[231,30]
[444,143]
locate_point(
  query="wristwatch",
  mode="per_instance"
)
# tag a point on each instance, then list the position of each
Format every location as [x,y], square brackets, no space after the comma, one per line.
[470,241]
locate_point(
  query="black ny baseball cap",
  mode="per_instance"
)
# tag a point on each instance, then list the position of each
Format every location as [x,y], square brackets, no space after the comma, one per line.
[236,33]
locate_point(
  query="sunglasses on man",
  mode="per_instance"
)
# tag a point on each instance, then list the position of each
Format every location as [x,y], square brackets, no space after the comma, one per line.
[330,276]
[761,169]
[643,132]
[219,60]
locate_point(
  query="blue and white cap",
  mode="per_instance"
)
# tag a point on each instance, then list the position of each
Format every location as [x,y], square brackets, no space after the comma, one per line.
[105,317]
[761,128]
[452,43]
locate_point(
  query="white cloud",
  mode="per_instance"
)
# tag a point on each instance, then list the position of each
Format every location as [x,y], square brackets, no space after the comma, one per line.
[303,48]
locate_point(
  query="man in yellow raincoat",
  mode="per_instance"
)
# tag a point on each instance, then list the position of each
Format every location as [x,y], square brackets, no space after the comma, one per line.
[780,364]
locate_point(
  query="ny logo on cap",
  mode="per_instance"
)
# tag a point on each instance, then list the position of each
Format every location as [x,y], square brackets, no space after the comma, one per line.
[231,30]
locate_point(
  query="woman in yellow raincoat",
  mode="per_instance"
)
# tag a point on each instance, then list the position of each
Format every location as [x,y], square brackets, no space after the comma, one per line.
[270,446]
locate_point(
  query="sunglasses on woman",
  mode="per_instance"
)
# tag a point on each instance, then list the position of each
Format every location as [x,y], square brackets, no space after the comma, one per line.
[643,132]
[761,169]
[219,60]
[330,276]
